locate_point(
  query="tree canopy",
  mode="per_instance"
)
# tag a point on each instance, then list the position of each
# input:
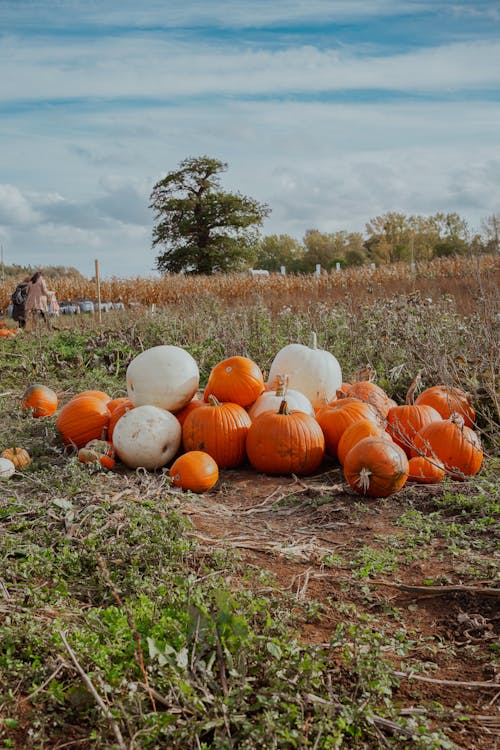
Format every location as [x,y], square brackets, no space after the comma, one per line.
[200,227]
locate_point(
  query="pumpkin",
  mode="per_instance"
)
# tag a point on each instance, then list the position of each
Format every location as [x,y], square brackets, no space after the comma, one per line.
[271,400]
[118,411]
[314,372]
[371,393]
[195,470]
[452,443]
[96,394]
[40,400]
[447,401]
[403,423]
[147,437]
[98,451]
[195,403]
[285,442]
[83,419]
[355,432]
[376,467]
[114,403]
[337,417]
[218,429]
[19,456]
[7,468]
[165,376]
[425,470]
[238,380]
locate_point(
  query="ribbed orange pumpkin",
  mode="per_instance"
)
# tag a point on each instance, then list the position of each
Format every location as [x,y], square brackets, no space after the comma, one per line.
[19,456]
[447,401]
[285,442]
[376,467]
[424,470]
[97,394]
[83,419]
[195,471]
[403,423]
[335,418]
[116,402]
[40,400]
[117,412]
[370,393]
[194,404]
[218,429]
[358,431]
[237,380]
[450,441]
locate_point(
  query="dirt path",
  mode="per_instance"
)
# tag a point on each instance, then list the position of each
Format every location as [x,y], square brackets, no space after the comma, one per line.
[322,543]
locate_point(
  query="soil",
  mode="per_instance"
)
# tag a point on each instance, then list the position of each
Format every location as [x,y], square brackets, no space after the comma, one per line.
[306,532]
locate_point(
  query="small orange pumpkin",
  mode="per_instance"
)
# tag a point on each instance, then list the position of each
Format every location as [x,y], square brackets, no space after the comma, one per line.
[370,393]
[218,429]
[376,467]
[237,380]
[195,403]
[358,431]
[403,423]
[452,443]
[285,442]
[19,456]
[425,470]
[335,418]
[96,394]
[447,401]
[83,419]
[195,470]
[118,411]
[98,451]
[40,400]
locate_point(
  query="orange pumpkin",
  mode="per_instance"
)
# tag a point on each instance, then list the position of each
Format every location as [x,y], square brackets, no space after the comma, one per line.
[40,400]
[195,470]
[425,470]
[376,467]
[285,442]
[452,443]
[403,423]
[19,456]
[96,394]
[98,451]
[218,429]
[355,432]
[194,404]
[338,416]
[370,393]
[117,412]
[237,380]
[447,401]
[116,402]
[83,419]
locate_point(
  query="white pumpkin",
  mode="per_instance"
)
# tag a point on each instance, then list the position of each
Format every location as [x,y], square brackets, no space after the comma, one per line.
[271,401]
[165,376]
[7,468]
[147,436]
[314,372]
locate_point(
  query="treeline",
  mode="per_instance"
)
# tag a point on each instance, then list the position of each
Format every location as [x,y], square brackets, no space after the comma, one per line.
[390,238]
[17,272]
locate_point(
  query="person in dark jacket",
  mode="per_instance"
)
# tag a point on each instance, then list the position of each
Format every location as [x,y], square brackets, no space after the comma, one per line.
[19,298]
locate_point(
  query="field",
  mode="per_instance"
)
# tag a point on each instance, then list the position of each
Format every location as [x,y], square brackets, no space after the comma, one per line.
[270,612]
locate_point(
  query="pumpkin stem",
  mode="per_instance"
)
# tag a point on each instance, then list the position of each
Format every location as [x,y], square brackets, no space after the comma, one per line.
[363,480]
[457,419]
[410,395]
[281,385]
[283,407]
[213,400]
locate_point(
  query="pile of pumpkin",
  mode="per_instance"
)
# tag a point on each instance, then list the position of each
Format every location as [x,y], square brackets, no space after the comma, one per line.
[6,332]
[283,427]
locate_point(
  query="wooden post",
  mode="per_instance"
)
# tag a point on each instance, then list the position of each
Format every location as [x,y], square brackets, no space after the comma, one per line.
[98,286]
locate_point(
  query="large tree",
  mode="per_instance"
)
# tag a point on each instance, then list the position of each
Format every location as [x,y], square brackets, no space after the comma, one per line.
[202,228]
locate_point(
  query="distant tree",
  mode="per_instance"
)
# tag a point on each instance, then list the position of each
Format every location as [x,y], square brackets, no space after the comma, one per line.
[279,250]
[202,228]
[355,251]
[491,233]
[389,238]
[453,235]
[323,248]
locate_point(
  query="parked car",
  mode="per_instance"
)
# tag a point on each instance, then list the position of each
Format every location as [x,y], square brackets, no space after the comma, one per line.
[86,306]
[68,308]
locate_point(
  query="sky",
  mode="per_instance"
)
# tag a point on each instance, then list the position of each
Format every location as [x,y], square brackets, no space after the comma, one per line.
[331,112]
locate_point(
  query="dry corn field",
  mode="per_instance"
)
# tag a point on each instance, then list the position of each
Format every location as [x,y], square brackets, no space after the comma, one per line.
[463,277]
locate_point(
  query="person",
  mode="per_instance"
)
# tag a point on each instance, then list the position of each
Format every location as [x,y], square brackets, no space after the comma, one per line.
[36,302]
[19,298]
